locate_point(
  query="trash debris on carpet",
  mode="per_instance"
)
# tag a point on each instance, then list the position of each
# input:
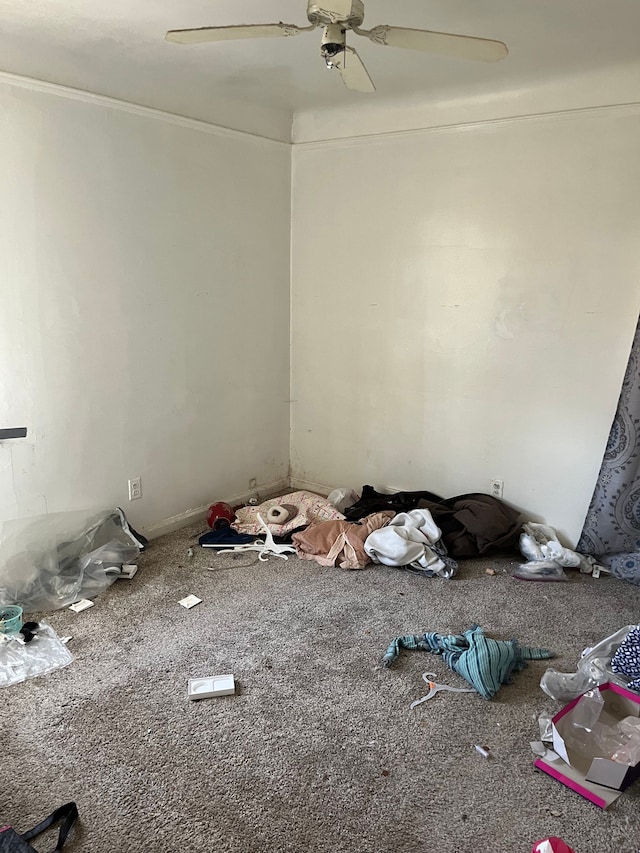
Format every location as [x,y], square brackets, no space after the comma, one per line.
[594,668]
[190,601]
[596,744]
[10,619]
[547,557]
[552,845]
[37,651]
[215,685]
[434,688]
[220,515]
[485,663]
[83,604]
[128,571]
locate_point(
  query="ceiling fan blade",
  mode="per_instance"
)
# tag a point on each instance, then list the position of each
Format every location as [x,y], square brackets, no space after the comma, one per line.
[464,47]
[245,31]
[352,70]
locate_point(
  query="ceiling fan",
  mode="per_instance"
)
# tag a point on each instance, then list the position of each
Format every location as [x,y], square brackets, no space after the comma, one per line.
[338,16]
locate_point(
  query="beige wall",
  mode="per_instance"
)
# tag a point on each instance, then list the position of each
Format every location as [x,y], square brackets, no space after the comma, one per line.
[463,302]
[144,314]
[463,306]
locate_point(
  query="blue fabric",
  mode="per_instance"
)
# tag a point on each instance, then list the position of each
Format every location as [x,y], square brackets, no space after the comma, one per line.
[225,536]
[485,663]
[611,531]
[626,660]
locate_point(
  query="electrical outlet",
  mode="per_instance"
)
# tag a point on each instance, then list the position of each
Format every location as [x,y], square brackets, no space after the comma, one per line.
[253,483]
[135,488]
[497,488]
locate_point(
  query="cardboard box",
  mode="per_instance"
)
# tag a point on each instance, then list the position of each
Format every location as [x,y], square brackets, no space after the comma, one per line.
[599,780]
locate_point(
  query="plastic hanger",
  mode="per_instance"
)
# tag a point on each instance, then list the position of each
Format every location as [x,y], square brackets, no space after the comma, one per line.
[434,688]
[265,549]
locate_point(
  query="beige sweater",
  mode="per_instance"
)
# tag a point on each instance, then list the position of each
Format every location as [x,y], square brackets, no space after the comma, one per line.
[339,543]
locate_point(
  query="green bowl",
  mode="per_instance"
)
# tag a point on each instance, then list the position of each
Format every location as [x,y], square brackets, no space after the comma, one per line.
[10,618]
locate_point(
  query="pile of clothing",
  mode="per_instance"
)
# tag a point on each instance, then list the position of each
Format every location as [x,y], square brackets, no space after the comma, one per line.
[472,525]
[418,531]
[409,539]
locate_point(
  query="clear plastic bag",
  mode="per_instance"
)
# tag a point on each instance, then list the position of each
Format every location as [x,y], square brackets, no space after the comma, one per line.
[51,561]
[532,539]
[628,734]
[45,653]
[587,712]
[540,570]
[594,669]
[341,499]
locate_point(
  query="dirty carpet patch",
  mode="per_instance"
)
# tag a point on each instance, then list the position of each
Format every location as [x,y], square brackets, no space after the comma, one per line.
[318,751]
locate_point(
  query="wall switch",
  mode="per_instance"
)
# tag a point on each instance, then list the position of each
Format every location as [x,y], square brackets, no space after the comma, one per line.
[135,488]
[217,685]
[496,488]
[128,570]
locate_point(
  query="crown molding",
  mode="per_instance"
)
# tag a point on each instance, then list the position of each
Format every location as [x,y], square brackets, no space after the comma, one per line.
[631,108]
[33,85]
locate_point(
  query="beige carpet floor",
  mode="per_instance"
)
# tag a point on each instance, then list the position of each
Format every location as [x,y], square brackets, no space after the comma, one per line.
[318,751]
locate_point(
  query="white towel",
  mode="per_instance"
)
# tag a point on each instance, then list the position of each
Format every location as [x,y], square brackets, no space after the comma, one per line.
[406,541]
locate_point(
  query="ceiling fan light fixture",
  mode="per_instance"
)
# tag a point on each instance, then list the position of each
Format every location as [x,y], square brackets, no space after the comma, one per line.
[336,17]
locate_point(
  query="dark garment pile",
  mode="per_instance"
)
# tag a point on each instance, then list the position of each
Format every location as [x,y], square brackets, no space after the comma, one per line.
[472,525]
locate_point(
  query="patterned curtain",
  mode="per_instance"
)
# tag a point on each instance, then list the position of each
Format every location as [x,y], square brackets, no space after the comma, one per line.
[612,527]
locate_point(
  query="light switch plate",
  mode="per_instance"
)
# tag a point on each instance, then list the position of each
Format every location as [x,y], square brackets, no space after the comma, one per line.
[215,685]
[81,605]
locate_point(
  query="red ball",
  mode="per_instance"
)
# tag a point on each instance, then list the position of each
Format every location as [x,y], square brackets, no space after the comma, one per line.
[220,515]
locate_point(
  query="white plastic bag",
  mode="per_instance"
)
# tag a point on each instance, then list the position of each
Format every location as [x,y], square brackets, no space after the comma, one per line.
[341,499]
[539,542]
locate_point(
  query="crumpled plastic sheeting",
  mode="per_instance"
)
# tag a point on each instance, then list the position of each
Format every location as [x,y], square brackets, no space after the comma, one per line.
[45,653]
[50,561]
[594,669]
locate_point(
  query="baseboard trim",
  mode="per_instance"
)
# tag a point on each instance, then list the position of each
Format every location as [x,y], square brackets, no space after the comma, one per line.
[198,513]
[310,485]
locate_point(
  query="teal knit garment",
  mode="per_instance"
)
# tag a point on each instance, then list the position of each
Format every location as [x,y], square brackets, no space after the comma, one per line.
[485,663]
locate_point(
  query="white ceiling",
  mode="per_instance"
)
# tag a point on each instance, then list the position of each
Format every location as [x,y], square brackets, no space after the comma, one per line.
[116,48]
